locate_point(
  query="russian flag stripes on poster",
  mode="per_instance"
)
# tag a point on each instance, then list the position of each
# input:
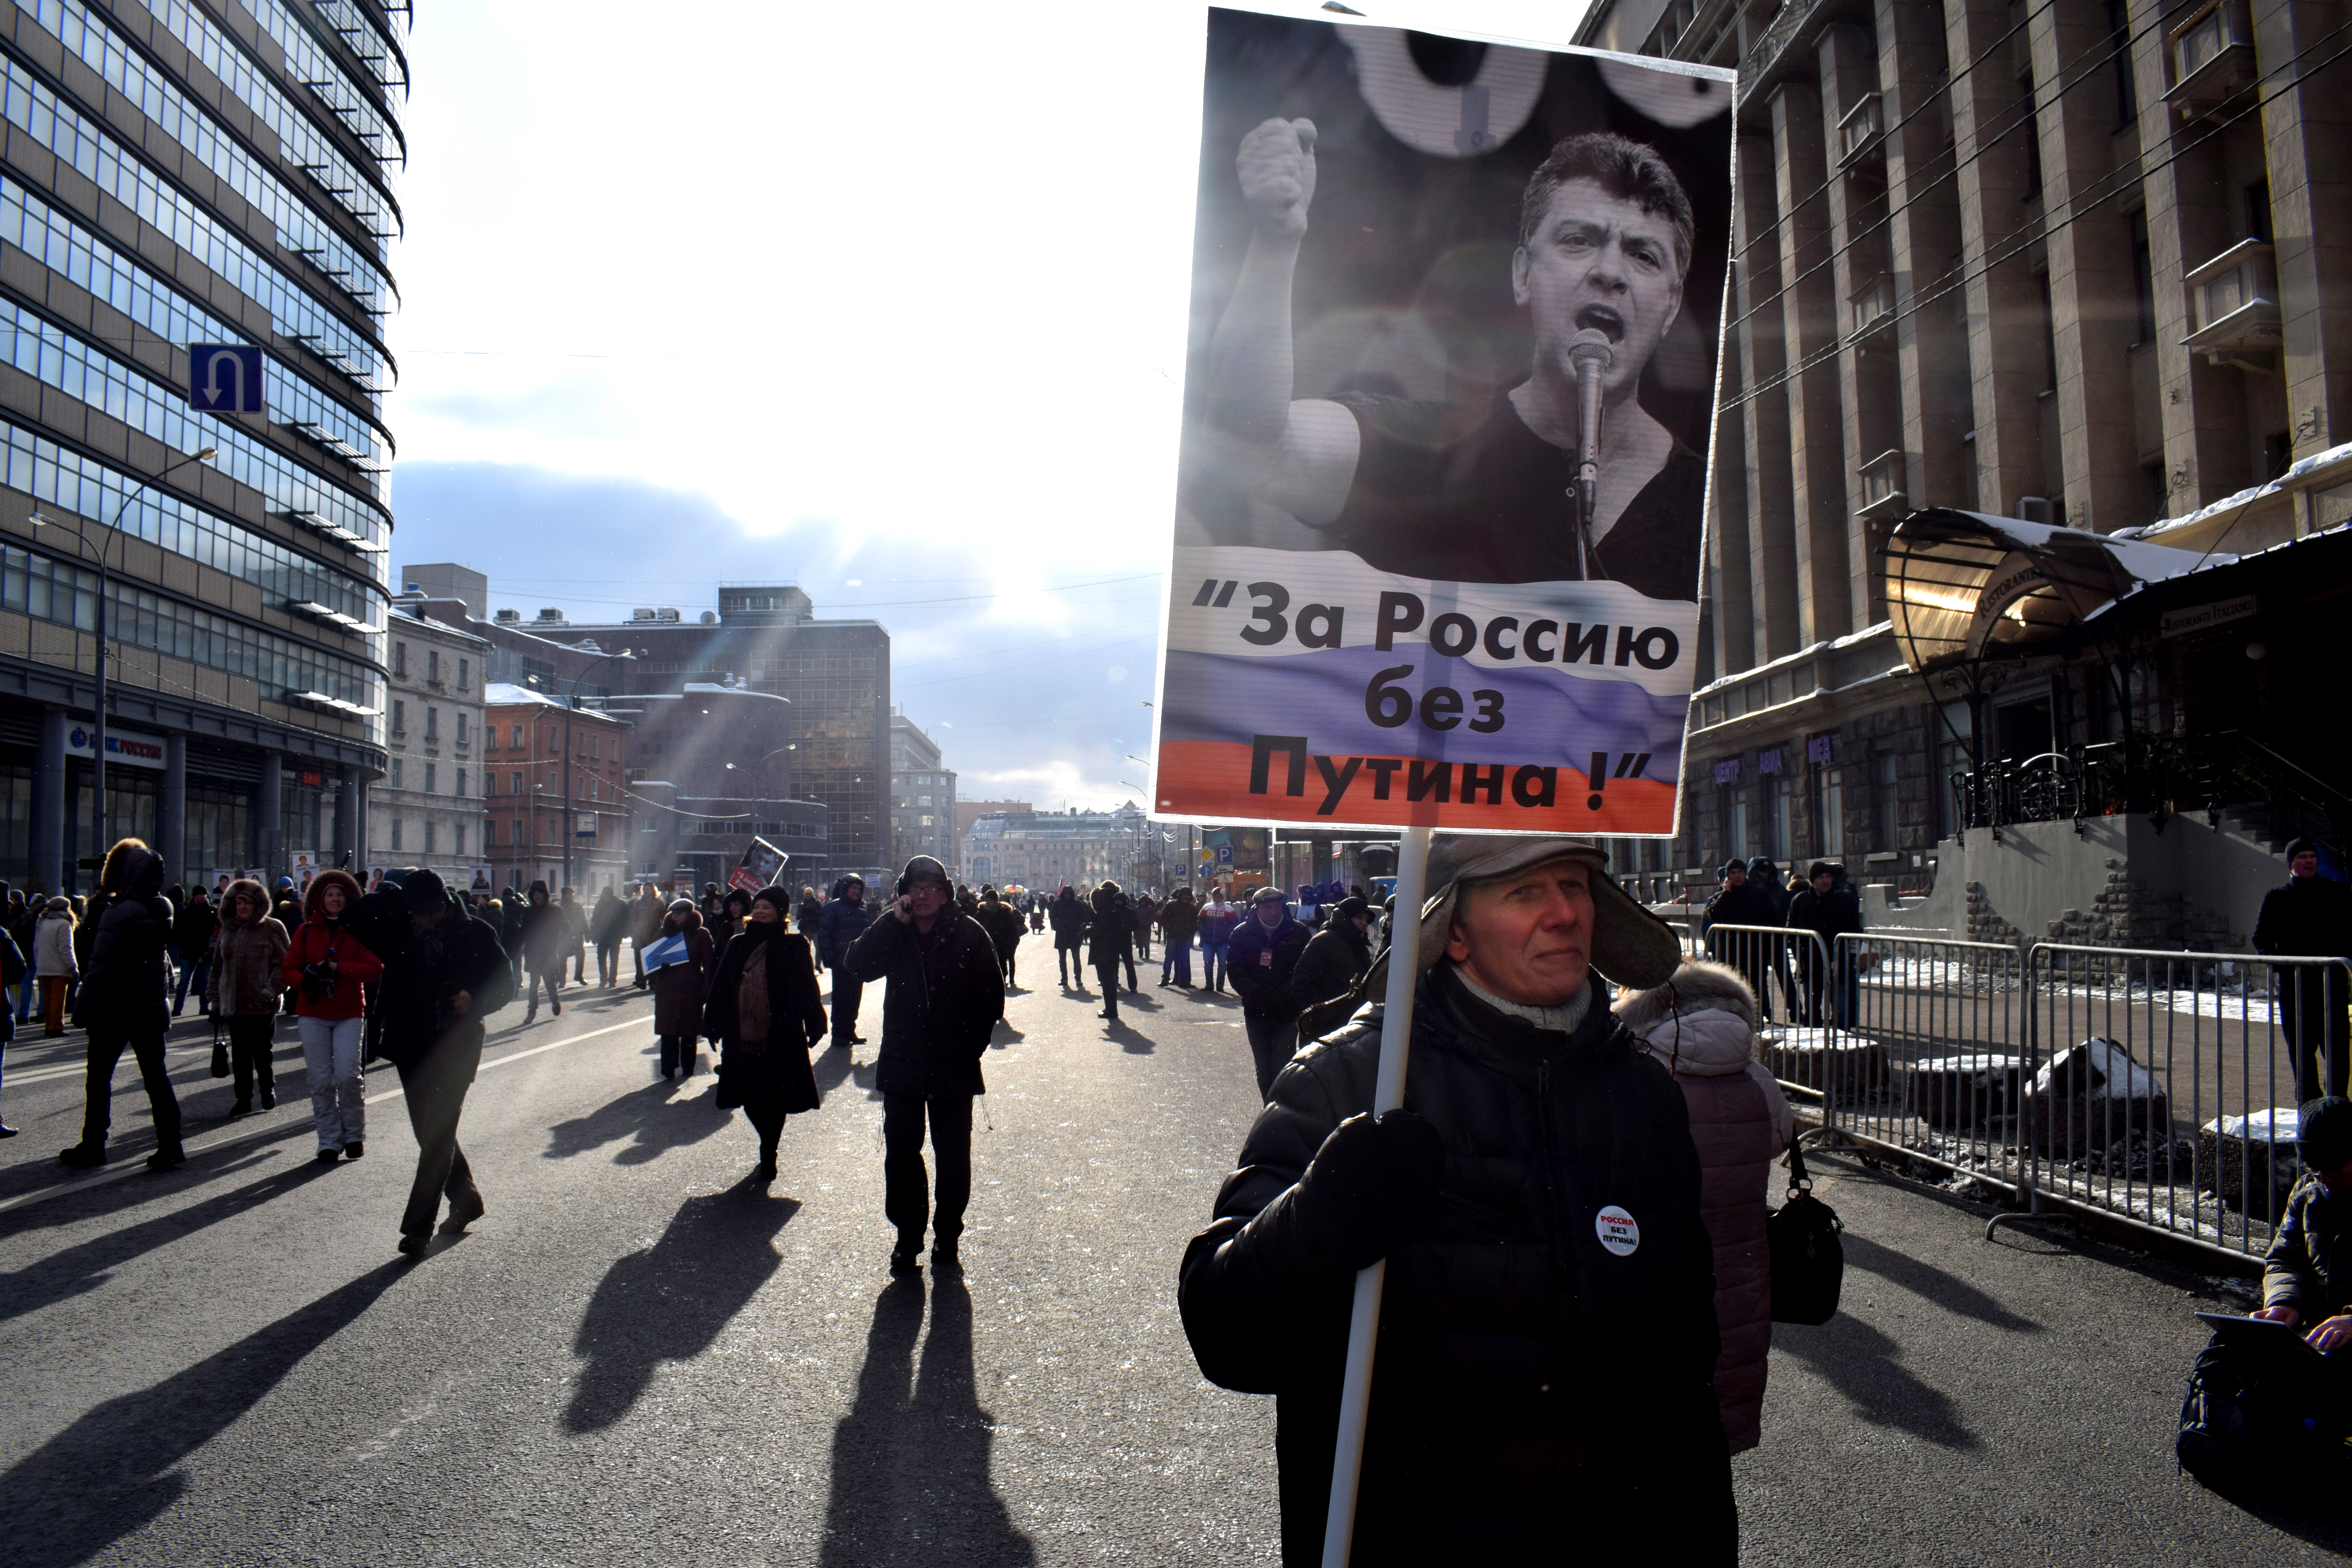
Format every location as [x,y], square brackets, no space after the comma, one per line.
[1306,686]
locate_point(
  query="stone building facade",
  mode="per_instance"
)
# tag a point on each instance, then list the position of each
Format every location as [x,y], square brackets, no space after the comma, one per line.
[2086,263]
[427,810]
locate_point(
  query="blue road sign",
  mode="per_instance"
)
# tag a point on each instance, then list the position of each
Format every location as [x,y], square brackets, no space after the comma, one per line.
[224,378]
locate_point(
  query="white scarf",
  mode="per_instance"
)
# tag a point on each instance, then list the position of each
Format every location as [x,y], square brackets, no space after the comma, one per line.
[1564,1018]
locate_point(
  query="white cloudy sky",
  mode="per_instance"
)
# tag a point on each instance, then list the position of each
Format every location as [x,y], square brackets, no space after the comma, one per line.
[886,303]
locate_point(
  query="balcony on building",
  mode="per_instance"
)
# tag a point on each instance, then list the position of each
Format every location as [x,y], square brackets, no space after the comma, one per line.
[2238,321]
[1870,311]
[1882,487]
[2212,58]
[1862,138]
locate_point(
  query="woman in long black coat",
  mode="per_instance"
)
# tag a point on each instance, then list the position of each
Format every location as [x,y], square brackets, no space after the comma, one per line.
[765,1014]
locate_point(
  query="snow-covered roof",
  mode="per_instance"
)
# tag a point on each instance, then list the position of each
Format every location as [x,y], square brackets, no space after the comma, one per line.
[2292,479]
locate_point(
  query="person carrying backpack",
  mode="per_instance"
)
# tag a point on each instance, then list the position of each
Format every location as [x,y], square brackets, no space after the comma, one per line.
[444,975]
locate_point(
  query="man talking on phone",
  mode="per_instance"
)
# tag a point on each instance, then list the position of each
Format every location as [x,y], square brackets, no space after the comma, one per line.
[944,998]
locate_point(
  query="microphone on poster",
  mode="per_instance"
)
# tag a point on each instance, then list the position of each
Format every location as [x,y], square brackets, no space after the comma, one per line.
[1589,355]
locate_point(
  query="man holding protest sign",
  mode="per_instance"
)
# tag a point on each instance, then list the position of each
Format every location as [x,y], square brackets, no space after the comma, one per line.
[1549,1338]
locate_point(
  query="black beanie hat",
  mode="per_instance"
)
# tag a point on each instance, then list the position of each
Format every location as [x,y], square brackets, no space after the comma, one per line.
[2323,1133]
[422,889]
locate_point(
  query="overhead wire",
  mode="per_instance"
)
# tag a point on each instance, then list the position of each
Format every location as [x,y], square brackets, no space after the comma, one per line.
[2022,115]
[1927,102]
[2075,212]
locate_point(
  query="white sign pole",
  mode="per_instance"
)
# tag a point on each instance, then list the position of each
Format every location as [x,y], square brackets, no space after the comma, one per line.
[1388,1094]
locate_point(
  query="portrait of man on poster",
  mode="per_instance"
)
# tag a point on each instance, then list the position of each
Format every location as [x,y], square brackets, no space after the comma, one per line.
[1511,490]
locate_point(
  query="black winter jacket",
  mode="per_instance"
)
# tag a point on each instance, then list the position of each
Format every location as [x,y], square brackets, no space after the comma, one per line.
[1333,960]
[1827,915]
[841,924]
[1069,919]
[946,995]
[1002,922]
[2309,1265]
[1111,937]
[1266,987]
[193,925]
[2308,916]
[1746,905]
[123,983]
[1532,1384]
[421,971]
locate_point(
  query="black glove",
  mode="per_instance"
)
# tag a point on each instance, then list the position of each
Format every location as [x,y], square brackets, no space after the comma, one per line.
[1372,1188]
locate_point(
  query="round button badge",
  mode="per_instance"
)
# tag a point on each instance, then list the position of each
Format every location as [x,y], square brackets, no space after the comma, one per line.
[1617,1230]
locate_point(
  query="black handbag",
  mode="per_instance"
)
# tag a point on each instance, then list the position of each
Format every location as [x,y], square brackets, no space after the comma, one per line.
[220,1050]
[1808,1259]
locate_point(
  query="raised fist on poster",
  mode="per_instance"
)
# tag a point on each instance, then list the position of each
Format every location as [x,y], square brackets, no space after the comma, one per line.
[1276,166]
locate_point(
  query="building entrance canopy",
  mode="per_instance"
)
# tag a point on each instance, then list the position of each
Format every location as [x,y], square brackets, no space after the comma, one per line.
[1962,586]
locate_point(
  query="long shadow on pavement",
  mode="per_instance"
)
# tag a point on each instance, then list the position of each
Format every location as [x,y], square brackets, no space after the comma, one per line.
[59,1205]
[670,1302]
[911,1481]
[117,1466]
[1133,1041]
[1930,1283]
[644,1114]
[831,1068]
[84,1267]
[1865,1366]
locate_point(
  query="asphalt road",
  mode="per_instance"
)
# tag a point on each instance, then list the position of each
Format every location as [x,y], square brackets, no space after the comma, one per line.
[638,1358]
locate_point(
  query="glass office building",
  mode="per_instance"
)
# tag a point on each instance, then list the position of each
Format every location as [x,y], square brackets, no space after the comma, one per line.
[178,173]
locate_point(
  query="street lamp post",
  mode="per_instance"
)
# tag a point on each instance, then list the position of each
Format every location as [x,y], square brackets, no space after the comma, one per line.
[98,746]
[571,701]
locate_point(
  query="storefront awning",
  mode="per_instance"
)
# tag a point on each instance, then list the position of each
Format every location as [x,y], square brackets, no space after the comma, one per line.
[1961,585]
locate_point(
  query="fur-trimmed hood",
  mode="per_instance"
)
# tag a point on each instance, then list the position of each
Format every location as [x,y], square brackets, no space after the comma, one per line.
[1702,1021]
[243,888]
[320,883]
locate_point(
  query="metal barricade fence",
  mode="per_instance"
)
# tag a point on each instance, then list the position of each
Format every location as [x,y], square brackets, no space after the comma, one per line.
[1929,1057]
[1788,968]
[2161,1088]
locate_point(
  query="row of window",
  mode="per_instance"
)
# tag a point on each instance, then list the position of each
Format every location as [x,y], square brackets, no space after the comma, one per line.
[585,742]
[87,488]
[552,830]
[92,151]
[57,359]
[347,21]
[1770,829]
[307,145]
[764,830]
[62,245]
[433,673]
[432,776]
[432,722]
[49,589]
[322,71]
[185,121]
[456,831]
[586,787]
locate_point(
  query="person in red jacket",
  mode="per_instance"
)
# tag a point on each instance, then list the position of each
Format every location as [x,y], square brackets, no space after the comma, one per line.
[327,968]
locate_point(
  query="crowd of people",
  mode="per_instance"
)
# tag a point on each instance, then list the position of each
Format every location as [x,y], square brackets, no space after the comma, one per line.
[1586,1108]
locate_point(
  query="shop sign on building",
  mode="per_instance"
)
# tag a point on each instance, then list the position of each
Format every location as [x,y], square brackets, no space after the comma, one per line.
[139,751]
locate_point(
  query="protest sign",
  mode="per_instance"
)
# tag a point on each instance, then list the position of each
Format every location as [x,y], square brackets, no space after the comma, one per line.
[1448,427]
